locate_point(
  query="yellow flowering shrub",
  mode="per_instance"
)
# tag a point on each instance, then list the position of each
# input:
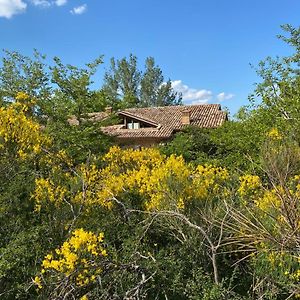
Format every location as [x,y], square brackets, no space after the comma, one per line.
[163,182]
[19,134]
[176,182]
[271,211]
[294,186]
[273,222]
[78,260]
[272,204]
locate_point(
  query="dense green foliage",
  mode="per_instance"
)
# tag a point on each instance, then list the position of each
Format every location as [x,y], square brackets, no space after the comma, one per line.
[214,214]
[127,86]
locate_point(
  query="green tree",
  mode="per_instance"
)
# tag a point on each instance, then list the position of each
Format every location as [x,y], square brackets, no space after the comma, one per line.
[194,144]
[127,86]
[59,90]
[73,88]
[154,90]
[20,73]
[278,92]
[121,82]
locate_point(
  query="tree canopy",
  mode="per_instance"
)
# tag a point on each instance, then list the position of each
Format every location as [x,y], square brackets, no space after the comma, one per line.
[127,86]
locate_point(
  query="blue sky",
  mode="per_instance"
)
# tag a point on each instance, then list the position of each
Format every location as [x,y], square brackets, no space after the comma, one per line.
[204,46]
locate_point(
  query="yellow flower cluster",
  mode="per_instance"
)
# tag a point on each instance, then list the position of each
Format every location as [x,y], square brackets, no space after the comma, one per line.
[268,201]
[24,101]
[165,185]
[46,189]
[19,134]
[37,281]
[271,201]
[274,134]
[94,180]
[285,261]
[55,159]
[209,179]
[79,258]
[121,160]
[250,185]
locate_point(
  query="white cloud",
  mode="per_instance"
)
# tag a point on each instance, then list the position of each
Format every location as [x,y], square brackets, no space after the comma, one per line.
[48,3]
[8,8]
[79,10]
[190,95]
[61,2]
[41,3]
[224,96]
[198,96]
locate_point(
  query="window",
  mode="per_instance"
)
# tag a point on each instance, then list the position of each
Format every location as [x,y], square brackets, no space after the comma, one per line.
[133,125]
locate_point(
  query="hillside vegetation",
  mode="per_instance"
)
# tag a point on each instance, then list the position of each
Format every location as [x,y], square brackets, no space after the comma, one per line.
[213,214]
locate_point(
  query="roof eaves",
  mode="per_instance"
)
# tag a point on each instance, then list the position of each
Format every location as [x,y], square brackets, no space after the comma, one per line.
[127,114]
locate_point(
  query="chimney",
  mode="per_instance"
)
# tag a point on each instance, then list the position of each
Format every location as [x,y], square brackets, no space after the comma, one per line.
[108,110]
[185,117]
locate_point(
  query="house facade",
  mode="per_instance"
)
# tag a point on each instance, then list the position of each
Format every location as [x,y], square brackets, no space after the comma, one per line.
[149,126]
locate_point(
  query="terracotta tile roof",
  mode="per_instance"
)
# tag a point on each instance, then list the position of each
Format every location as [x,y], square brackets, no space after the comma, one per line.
[167,120]
[97,116]
[94,117]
